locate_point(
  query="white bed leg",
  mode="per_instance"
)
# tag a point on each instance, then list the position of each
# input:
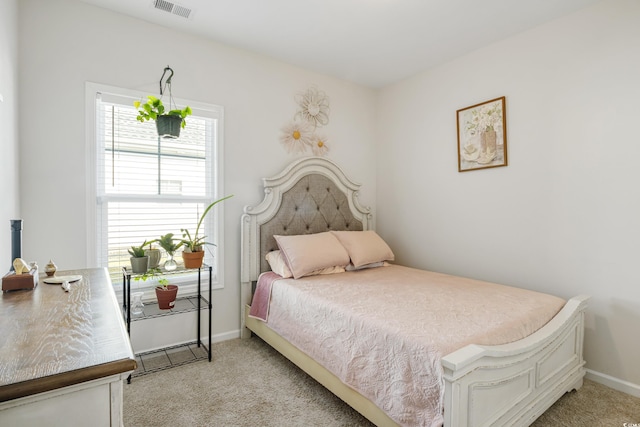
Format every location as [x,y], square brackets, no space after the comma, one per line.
[245,333]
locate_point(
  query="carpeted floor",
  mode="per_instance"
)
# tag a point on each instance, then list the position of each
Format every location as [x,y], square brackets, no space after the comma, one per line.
[250,384]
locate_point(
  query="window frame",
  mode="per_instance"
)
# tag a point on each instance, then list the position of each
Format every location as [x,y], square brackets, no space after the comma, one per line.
[188,282]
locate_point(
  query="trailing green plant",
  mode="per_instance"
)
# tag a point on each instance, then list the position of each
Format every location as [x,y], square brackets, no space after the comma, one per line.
[194,242]
[169,244]
[154,107]
[138,251]
[154,274]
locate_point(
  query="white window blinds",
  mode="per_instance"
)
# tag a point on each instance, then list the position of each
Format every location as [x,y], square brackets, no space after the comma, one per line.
[148,186]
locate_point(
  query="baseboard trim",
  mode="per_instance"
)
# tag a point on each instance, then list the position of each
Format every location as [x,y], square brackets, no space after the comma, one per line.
[614,383]
[230,335]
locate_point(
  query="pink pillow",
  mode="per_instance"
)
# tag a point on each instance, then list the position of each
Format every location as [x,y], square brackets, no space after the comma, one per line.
[306,253]
[364,247]
[279,266]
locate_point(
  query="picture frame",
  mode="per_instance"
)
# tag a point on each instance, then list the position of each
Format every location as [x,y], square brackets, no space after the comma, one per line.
[482,135]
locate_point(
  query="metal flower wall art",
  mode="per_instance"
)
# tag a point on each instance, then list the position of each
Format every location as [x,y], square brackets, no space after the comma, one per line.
[301,134]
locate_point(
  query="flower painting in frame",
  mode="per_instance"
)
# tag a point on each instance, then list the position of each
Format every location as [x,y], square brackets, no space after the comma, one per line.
[482,136]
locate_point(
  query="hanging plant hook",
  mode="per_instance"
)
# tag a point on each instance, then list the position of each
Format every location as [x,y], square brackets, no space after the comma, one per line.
[168,82]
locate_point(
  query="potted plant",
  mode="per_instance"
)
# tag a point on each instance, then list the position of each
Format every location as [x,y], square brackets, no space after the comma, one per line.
[170,245]
[193,252]
[168,123]
[139,261]
[165,293]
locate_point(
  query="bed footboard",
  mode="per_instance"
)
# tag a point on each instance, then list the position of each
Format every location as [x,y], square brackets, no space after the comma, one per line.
[513,384]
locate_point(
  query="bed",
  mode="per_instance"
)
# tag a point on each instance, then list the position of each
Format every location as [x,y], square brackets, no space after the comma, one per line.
[478,384]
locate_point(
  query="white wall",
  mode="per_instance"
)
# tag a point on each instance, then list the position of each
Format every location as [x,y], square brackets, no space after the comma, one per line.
[564,216]
[9,207]
[65,43]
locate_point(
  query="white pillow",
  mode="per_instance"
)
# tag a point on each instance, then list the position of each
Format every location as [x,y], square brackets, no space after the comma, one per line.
[278,265]
[364,247]
[307,253]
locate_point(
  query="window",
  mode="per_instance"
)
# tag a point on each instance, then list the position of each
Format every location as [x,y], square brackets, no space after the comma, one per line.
[145,186]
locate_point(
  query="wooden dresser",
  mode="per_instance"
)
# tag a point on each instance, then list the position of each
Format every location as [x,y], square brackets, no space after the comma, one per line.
[63,355]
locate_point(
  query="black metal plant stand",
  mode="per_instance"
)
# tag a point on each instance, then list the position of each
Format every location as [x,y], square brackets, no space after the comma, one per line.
[183,305]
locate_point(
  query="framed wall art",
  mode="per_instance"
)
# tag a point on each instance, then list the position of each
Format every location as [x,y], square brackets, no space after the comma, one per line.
[482,135]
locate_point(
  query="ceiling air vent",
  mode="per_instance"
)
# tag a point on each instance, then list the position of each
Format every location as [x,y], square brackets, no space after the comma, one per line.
[173,8]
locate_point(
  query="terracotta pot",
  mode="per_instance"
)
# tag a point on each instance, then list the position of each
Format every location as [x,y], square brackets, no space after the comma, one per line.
[193,259]
[166,296]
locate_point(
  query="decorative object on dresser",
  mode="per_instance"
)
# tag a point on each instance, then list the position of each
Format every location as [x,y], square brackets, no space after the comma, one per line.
[168,123]
[484,378]
[482,135]
[51,268]
[16,240]
[20,266]
[24,277]
[20,275]
[193,252]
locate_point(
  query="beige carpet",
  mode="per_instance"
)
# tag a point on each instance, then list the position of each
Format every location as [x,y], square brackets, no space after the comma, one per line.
[250,384]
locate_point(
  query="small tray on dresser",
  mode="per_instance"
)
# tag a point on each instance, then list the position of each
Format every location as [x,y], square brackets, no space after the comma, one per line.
[13,282]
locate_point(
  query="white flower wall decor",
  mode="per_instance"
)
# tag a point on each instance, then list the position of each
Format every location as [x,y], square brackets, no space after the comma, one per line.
[300,134]
[296,137]
[314,107]
[319,145]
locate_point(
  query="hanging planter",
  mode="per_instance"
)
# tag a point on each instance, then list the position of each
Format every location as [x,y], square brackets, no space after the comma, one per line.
[169,126]
[168,123]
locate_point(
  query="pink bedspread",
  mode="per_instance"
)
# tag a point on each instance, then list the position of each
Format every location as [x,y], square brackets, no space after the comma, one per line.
[383,331]
[262,296]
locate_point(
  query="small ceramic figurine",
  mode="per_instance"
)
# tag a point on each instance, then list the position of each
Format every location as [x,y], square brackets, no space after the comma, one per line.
[20,266]
[50,268]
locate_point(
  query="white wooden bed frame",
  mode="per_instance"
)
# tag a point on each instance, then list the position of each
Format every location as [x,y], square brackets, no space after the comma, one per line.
[509,384]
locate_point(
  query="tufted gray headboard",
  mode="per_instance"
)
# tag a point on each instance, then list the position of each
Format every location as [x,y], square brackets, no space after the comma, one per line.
[314,204]
[310,196]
